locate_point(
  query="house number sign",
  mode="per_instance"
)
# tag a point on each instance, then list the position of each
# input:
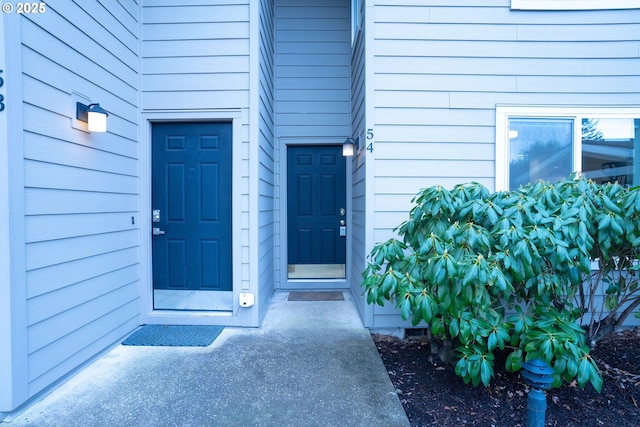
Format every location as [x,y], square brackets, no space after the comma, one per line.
[1,95]
[370,140]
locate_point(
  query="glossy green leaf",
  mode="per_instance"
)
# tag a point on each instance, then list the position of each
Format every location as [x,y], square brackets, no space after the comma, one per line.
[454,328]
[426,308]
[596,380]
[572,367]
[461,367]
[514,361]
[486,372]
[405,308]
[585,370]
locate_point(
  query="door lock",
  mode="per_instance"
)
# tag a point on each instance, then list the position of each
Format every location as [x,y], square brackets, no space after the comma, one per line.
[155,215]
[156,231]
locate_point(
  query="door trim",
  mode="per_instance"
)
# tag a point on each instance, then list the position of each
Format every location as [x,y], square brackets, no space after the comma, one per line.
[235,317]
[283,282]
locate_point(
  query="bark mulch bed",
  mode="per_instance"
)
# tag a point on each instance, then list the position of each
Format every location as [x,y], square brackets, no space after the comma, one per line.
[432,395]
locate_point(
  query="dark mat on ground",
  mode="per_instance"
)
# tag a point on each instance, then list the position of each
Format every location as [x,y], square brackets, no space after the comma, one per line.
[174,335]
[316,296]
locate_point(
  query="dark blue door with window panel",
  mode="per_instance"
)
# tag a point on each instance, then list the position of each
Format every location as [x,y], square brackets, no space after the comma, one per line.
[316,207]
[191,203]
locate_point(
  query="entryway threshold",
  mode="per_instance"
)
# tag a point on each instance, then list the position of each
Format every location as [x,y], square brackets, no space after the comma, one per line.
[316,296]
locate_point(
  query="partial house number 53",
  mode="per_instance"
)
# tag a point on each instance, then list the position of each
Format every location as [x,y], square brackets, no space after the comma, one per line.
[1,95]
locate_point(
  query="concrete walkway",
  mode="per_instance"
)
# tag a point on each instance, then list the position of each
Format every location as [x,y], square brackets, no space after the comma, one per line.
[310,364]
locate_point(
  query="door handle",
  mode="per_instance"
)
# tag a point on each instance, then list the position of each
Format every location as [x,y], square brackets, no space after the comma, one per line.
[156,231]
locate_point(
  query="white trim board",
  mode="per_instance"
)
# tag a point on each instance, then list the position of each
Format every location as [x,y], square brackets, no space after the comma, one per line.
[238,316]
[283,281]
[14,349]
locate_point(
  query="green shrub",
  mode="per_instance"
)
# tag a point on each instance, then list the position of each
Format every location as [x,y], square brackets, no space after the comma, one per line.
[543,272]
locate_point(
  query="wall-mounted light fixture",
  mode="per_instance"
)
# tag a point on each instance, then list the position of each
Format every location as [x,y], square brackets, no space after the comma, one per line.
[94,115]
[349,145]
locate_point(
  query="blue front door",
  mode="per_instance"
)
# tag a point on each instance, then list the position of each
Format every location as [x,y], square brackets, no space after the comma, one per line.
[316,212]
[191,214]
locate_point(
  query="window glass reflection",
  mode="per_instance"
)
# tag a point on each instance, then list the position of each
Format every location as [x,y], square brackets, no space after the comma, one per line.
[609,148]
[539,149]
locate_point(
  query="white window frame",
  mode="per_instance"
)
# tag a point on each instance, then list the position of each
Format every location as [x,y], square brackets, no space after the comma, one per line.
[506,112]
[574,4]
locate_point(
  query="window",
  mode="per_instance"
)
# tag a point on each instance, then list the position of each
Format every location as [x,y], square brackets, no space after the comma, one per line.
[539,149]
[550,143]
[573,4]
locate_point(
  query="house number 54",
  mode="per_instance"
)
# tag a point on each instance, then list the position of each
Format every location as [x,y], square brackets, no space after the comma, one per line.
[1,95]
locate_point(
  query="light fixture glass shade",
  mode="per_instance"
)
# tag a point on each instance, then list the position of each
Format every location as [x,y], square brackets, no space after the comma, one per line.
[347,149]
[97,119]
[97,122]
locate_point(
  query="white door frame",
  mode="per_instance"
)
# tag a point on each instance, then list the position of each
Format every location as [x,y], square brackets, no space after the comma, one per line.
[148,315]
[283,281]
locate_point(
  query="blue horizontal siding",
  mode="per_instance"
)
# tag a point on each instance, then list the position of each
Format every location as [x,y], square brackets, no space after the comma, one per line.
[48,279]
[43,309]
[67,353]
[195,31]
[81,190]
[506,49]
[312,69]
[441,67]
[40,201]
[174,12]
[493,66]
[63,177]
[195,55]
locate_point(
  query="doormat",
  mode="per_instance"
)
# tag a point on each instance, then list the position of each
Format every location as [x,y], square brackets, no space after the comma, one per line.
[316,296]
[174,336]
